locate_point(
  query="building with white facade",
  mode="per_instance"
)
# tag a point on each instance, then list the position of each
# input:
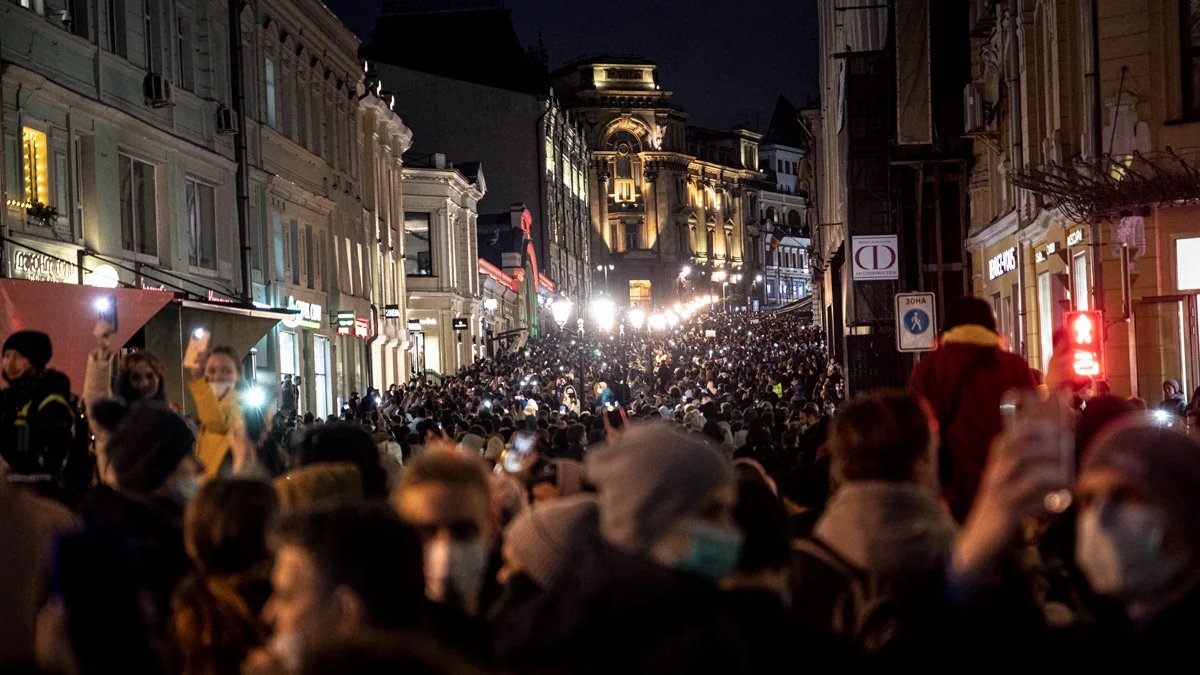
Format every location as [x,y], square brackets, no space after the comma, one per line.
[441,262]
[120,131]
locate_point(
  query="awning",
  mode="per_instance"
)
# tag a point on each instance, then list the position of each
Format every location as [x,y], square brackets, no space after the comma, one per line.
[67,313]
[803,306]
[233,326]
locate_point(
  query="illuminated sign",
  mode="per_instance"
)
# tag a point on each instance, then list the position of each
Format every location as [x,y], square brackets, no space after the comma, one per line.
[362,327]
[1075,237]
[345,320]
[459,323]
[1003,263]
[1039,256]
[35,266]
[414,324]
[1084,332]
[309,314]
[391,311]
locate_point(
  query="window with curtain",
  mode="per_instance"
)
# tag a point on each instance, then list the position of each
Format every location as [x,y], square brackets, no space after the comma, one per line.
[139,218]
[202,227]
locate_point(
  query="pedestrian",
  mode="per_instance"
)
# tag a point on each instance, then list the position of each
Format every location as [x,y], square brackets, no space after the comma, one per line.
[964,380]
[38,416]
[213,384]
[1173,402]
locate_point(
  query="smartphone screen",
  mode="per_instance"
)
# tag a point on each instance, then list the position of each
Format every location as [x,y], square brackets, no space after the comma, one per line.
[517,457]
[197,345]
[106,310]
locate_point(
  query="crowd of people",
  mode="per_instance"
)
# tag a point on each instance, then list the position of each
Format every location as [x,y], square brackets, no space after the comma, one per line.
[704,499]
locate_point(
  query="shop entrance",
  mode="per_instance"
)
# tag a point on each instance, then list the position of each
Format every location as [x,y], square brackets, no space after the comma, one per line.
[1166,344]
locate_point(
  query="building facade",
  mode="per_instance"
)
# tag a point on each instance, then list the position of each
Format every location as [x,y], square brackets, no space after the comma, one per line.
[669,204]
[1079,195]
[441,263]
[501,110]
[122,117]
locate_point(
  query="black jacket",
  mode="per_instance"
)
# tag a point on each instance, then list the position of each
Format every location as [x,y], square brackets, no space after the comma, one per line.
[612,612]
[37,423]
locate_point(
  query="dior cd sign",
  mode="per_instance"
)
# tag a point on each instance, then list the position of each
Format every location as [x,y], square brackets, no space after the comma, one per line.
[876,258]
[1002,263]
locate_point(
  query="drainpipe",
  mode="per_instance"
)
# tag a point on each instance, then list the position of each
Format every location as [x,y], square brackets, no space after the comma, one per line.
[1015,161]
[1097,149]
[242,180]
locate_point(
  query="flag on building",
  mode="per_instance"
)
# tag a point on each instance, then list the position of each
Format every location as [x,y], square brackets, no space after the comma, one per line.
[777,237]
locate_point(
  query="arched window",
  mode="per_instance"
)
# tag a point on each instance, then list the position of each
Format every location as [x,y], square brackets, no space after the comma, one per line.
[626,166]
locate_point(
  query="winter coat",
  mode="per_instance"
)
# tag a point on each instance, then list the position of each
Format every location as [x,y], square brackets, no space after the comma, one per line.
[216,417]
[612,612]
[964,380]
[28,527]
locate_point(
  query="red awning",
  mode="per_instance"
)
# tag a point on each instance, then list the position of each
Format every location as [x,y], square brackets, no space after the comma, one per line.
[67,313]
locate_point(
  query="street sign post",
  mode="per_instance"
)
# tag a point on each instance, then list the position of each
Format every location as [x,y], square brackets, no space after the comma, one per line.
[916,322]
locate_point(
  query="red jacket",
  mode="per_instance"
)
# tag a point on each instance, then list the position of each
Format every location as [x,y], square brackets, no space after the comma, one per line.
[968,366]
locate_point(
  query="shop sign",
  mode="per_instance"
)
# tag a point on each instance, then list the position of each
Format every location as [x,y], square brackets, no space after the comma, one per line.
[459,323]
[309,316]
[1003,263]
[1075,237]
[345,319]
[362,327]
[213,297]
[1039,256]
[414,325]
[34,266]
[875,258]
[391,311]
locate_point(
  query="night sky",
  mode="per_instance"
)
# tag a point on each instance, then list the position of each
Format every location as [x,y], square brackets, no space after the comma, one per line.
[726,62]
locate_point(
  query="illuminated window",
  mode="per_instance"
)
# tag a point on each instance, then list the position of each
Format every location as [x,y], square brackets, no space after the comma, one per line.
[36,166]
[639,293]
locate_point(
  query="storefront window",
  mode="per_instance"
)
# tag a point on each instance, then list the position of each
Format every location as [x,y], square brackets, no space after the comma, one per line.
[1187,252]
[321,375]
[288,356]
[1079,281]
[1045,319]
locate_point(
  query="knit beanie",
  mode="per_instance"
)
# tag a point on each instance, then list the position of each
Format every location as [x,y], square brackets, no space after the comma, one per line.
[471,444]
[545,538]
[147,446]
[1157,460]
[652,476]
[970,311]
[33,345]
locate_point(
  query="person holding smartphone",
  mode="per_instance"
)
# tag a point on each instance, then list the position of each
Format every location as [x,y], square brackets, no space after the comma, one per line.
[213,385]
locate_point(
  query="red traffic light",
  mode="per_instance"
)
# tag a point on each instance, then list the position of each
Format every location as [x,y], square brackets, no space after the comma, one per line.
[1085,331]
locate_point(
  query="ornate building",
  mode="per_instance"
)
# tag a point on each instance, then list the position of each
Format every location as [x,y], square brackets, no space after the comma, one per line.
[670,203]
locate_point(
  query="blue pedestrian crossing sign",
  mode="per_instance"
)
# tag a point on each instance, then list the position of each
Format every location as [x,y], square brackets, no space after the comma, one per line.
[916,322]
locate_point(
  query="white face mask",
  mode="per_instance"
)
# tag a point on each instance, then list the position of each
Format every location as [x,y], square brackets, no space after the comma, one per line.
[287,647]
[1121,554]
[454,571]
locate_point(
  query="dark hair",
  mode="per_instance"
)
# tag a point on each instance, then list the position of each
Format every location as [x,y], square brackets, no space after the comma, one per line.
[883,436]
[225,525]
[125,389]
[368,550]
[459,471]
[969,310]
[106,623]
[340,442]
[761,516]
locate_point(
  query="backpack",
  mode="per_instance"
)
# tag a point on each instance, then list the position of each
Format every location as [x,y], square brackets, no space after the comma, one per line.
[899,619]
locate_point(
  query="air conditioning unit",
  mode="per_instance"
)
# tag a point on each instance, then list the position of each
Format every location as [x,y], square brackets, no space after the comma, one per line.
[973,104]
[226,121]
[157,91]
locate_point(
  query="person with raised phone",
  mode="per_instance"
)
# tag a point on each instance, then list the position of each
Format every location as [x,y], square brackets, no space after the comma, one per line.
[213,379]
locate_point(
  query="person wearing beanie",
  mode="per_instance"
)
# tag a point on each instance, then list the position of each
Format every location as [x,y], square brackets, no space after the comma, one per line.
[1137,539]
[155,475]
[37,411]
[471,444]
[963,380]
[540,544]
[556,479]
[642,597]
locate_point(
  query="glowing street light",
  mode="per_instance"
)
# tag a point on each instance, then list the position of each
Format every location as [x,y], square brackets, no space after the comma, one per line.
[636,316]
[720,275]
[658,322]
[561,309]
[604,313]
[686,271]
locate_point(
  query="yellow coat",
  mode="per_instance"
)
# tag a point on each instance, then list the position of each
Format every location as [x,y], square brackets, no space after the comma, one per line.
[216,417]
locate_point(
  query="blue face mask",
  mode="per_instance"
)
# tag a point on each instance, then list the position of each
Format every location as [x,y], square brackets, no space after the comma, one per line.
[714,550]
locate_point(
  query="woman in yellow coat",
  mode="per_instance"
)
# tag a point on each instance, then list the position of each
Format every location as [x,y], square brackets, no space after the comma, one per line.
[213,384]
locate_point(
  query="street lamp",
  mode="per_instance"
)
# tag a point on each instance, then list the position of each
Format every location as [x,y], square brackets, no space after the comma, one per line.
[686,271]
[636,316]
[561,310]
[605,269]
[603,313]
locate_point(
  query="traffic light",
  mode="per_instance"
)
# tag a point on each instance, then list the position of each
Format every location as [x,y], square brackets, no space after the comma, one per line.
[1085,330]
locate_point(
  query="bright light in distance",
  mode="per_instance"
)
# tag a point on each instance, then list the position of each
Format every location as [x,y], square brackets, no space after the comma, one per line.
[657,322]
[102,304]
[672,318]
[198,333]
[603,313]
[636,316]
[254,397]
[686,271]
[487,404]
[758,277]
[720,275]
